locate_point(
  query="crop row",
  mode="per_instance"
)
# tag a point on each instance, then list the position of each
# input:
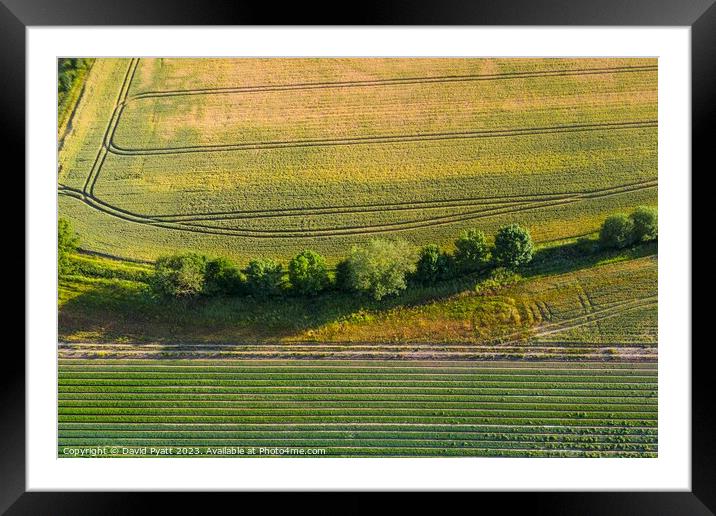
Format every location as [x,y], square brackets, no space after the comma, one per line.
[340,408]
[563,419]
[351,428]
[396,443]
[396,390]
[605,419]
[635,437]
[402,433]
[602,370]
[164,405]
[477,397]
[350,451]
[139,385]
[364,376]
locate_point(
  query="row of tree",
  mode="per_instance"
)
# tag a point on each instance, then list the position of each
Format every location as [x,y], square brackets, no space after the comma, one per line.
[512,249]
[379,268]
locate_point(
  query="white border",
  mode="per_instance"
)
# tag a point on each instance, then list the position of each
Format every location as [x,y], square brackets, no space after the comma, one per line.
[671,470]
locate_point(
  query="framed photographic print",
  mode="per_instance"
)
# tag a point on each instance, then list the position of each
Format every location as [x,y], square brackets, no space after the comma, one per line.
[447,248]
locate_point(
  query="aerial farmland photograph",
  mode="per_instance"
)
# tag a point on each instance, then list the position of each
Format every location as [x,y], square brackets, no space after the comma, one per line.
[357,257]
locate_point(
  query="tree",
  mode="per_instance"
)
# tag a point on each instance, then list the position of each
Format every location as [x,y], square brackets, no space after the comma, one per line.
[222,277]
[67,242]
[342,276]
[513,246]
[264,277]
[616,232]
[308,273]
[380,267]
[180,275]
[67,71]
[471,251]
[645,224]
[433,265]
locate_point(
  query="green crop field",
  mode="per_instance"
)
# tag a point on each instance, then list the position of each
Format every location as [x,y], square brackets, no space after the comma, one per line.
[355,408]
[251,157]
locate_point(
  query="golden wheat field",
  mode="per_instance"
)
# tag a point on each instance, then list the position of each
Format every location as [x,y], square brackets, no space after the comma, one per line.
[264,157]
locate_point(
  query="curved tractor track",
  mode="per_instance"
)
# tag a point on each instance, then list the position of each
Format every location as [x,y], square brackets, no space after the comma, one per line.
[476,207]
[396,81]
[373,140]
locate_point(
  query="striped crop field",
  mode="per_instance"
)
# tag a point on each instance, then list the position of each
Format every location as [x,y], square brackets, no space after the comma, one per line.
[264,157]
[335,408]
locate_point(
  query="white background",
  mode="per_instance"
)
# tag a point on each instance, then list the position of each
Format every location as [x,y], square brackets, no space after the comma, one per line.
[671,470]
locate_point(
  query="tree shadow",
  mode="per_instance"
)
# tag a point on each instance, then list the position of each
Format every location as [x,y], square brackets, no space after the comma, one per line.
[582,254]
[112,311]
[120,311]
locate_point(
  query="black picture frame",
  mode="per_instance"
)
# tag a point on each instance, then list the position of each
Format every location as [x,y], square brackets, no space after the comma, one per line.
[700,15]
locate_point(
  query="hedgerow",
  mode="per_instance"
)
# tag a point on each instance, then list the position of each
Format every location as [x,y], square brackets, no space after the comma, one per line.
[378,269]
[67,242]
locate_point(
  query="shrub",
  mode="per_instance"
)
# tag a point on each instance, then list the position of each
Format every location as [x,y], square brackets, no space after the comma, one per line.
[586,245]
[497,279]
[432,265]
[471,251]
[616,232]
[91,267]
[513,246]
[222,277]
[308,273]
[380,267]
[264,278]
[67,242]
[180,275]
[67,71]
[645,224]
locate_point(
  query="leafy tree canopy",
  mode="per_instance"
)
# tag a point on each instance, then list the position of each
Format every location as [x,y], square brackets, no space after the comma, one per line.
[380,267]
